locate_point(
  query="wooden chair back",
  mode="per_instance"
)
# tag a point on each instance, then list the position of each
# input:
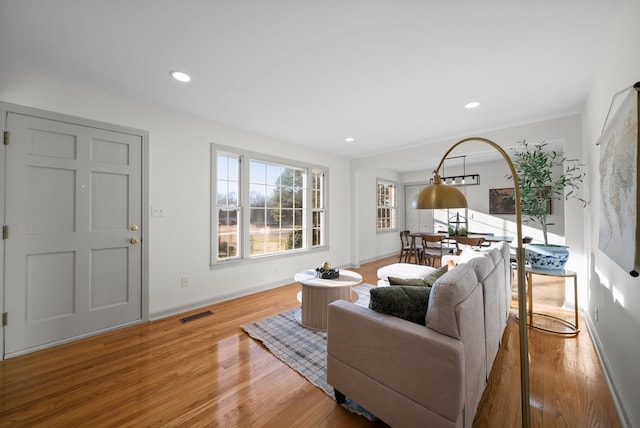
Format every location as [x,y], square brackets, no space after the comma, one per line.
[470,241]
[433,249]
[404,238]
[405,246]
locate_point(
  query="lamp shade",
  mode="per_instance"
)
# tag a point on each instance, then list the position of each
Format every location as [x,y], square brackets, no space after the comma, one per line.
[438,195]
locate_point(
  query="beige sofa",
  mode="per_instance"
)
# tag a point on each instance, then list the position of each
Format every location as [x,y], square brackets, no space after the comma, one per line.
[410,375]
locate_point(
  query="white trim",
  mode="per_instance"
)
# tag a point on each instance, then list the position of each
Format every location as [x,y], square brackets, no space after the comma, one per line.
[625,416]
[70,339]
[223,298]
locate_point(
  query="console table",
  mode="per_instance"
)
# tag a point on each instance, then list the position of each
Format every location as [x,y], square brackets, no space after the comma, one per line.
[317,293]
[566,327]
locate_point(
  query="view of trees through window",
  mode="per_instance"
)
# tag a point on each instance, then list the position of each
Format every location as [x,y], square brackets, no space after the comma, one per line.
[277,201]
[227,201]
[386,206]
[317,207]
[265,206]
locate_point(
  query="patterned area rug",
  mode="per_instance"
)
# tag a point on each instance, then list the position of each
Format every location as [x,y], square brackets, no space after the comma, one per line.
[302,349]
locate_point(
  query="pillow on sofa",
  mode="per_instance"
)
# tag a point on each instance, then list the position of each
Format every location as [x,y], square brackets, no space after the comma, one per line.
[420,282]
[433,276]
[406,281]
[406,302]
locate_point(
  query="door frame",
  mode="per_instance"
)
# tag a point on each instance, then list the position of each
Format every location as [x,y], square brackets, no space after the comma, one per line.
[5,109]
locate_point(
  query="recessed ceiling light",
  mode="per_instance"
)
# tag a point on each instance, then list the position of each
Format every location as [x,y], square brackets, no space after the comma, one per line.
[180,76]
[349,139]
[472,104]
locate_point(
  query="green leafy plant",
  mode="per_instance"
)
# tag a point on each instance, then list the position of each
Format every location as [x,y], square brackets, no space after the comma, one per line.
[459,232]
[539,185]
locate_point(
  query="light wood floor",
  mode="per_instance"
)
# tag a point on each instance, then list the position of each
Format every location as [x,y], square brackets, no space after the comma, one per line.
[210,373]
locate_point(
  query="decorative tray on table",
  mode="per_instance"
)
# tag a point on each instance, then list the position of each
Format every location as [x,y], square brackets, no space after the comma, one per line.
[326,272]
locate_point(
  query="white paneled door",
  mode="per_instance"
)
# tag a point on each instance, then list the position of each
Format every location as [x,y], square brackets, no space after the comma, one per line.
[73,209]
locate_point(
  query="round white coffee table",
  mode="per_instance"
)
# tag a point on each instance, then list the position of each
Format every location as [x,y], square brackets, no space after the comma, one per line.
[317,293]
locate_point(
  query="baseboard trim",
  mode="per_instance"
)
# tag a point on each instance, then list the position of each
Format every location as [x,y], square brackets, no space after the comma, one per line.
[384,256]
[218,299]
[625,417]
[223,298]
[71,339]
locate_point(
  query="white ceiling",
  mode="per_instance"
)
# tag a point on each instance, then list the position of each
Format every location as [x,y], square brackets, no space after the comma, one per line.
[388,73]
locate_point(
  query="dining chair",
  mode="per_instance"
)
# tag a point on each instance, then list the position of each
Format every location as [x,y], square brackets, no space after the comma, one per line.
[472,242]
[433,248]
[405,245]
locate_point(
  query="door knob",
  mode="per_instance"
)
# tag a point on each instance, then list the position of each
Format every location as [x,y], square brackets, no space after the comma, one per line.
[134,240]
[133,227]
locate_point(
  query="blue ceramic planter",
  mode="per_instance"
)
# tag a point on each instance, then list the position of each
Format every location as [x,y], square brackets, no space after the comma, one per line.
[546,257]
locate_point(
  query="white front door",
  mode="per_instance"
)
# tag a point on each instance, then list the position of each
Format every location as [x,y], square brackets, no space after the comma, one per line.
[73,206]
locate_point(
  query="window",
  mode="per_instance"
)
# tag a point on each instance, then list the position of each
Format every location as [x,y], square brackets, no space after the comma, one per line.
[276,214]
[227,203]
[386,206]
[265,205]
[317,208]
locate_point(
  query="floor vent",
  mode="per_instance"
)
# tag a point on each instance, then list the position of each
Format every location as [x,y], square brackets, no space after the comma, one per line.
[195,316]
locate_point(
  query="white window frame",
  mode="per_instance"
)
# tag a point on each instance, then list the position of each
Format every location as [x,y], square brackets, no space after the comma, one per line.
[243,252]
[228,207]
[388,201]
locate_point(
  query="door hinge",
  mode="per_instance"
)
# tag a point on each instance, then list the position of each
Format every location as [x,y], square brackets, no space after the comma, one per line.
[5,232]
[4,318]
[6,138]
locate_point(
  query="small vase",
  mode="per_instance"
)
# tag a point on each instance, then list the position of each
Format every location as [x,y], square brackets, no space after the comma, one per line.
[546,257]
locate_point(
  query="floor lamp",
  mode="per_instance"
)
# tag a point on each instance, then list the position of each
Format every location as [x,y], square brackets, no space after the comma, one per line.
[438,196]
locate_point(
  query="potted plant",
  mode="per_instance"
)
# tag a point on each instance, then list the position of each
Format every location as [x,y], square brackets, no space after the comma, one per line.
[540,183]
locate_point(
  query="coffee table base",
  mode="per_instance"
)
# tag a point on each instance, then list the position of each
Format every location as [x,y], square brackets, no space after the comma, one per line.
[316,318]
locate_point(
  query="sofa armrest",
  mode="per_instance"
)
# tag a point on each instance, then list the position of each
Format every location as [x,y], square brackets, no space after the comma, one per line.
[418,363]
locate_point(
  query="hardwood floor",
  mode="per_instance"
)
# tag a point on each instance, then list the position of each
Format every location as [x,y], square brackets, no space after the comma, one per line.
[208,372]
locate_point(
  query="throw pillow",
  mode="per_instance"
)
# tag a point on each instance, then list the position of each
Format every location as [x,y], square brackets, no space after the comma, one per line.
[406,302]
[430,279]
[406,281]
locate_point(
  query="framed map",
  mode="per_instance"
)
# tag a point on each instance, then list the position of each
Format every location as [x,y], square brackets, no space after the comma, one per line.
[619,186]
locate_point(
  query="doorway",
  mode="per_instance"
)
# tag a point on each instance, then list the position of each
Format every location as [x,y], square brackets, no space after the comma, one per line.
[416,220]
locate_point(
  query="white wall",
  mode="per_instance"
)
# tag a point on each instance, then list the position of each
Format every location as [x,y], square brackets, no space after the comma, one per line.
[614,293]
[370,243]
[493,175]
[179,178]
[364,171]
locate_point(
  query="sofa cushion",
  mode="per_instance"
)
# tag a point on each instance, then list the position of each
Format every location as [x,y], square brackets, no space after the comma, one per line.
[448,292]
[469,254]
[483,265]
[406,302]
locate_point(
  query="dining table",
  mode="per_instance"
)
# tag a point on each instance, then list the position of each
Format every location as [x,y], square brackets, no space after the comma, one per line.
[413,250]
